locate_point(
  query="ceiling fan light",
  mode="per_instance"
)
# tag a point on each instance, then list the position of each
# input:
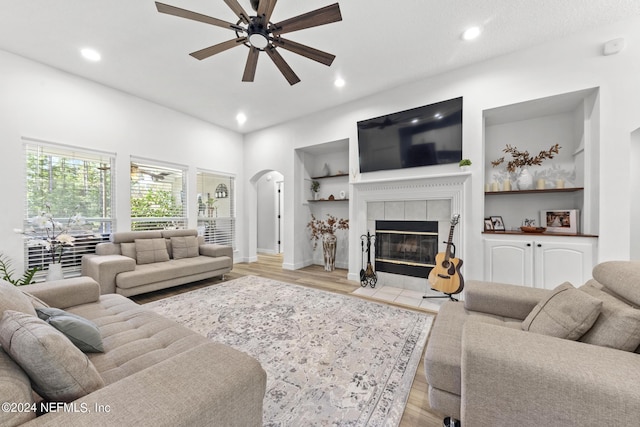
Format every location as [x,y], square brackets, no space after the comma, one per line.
[258,40]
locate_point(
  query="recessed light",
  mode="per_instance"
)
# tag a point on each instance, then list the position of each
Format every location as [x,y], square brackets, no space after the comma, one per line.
[91,54]
[339,82]
[471,33]
[241,118]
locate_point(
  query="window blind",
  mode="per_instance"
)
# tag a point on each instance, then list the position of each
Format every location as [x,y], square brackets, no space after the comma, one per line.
[216,208]
[157,195]
[69,191]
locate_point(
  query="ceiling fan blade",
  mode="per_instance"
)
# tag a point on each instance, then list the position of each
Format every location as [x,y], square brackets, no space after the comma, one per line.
[306,51]
[265,8]
[250,67]
[183,13]
[322,16]
[238,10]
[220,47]
[282,65]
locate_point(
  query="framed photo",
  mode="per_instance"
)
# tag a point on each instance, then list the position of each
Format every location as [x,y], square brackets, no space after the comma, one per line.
[497,223]
[560,220]
[488,225]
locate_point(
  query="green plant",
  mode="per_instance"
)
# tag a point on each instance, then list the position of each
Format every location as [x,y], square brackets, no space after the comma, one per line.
[315,186]
[6,271]
[465,162]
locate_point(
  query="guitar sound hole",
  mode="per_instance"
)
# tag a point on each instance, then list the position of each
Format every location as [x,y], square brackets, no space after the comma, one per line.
[446,264]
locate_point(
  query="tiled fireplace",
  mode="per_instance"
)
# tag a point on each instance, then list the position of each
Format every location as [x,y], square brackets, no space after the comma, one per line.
[426,203]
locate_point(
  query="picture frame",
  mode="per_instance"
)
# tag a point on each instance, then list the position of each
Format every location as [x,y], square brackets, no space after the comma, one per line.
[560,220]
[497,223]
[488,225]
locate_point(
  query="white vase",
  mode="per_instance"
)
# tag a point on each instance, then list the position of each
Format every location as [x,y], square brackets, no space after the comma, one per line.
[525,180]
[54,272]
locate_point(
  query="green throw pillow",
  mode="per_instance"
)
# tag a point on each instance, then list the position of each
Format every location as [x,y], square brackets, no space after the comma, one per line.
[83,333]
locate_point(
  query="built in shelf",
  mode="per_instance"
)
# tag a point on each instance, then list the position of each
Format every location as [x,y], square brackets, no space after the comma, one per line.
[546,233]
[547,190]
[330,176]
[327,200]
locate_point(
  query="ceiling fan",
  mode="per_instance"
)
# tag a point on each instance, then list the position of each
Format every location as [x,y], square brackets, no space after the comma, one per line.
[259,34]
[155,176]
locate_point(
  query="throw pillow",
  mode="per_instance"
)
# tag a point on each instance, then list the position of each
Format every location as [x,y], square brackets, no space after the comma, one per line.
[128,250]
[82,332]
[564,313]
[58,370]
[151,250]
[12,298]
[618,326]
[185,247]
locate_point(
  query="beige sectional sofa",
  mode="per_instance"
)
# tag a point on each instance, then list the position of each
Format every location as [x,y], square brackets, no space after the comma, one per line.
[153,372]
[137,262]
[485,369]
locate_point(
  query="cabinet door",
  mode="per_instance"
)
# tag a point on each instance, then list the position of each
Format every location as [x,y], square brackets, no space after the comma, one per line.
[562,261]
[509,261]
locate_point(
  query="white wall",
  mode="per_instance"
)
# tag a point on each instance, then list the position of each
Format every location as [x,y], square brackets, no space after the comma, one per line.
[40,102]
[634,194]
[567,65]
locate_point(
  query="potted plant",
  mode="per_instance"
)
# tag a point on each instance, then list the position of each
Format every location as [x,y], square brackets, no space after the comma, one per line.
[315,186]
[464,164]
[6,272]
[325,230]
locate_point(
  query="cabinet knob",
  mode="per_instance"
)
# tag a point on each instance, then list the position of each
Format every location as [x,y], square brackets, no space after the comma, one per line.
[529,245]
[539,245]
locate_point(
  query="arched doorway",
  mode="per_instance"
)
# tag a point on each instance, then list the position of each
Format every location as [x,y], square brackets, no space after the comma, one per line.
[266,231]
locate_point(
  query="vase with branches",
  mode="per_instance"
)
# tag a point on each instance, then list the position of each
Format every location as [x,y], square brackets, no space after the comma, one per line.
[325,230]
[521,159]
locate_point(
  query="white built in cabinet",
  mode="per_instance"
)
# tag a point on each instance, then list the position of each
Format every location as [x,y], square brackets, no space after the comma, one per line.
[543,260]
[537,260]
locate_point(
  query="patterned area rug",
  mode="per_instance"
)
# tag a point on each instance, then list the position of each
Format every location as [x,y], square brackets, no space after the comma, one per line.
[331,359]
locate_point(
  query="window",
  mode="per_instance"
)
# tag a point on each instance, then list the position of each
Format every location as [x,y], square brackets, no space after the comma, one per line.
[216,208]
[68,183]
[157,195]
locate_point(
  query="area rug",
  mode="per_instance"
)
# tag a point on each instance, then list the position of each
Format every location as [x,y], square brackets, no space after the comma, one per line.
[331,359]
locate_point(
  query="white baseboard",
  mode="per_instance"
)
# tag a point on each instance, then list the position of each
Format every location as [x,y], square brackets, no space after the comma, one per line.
[267,251]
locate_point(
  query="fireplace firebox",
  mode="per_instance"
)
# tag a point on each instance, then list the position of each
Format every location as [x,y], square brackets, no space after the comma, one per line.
[406,247]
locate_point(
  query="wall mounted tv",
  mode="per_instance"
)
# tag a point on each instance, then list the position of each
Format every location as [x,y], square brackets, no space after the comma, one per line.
[423,136]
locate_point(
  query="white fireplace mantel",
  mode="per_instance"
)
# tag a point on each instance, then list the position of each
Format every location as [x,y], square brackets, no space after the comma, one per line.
[452,187]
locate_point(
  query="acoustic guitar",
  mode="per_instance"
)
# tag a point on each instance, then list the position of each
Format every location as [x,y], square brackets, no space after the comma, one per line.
[445,277]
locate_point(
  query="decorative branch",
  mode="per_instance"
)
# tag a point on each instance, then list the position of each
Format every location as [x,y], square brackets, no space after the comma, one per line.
[320,227]
[523,158]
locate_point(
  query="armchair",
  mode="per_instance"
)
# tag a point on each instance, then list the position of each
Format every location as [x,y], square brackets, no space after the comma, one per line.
[485,370]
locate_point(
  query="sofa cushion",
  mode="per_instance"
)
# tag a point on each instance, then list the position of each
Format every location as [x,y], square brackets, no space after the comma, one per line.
[12,298]
[621,277]
[83,333]
[444,352]
[564,313]
[128,250]
[58,370]
[134,338]
[185,247]
[151,250]
[618,325]
[176,268]
[15,387]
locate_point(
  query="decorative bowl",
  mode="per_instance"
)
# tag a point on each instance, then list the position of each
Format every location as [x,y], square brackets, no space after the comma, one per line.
[533,229]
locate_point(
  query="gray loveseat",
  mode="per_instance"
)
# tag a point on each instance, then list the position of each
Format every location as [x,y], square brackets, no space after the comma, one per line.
[485,370]
[137,262]
[153,372]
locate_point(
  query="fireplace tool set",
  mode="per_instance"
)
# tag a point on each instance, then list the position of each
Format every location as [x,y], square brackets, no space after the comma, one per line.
[367,275]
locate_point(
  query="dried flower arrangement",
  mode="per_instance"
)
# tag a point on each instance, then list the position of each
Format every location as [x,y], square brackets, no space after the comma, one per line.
[523,158]
[320,227]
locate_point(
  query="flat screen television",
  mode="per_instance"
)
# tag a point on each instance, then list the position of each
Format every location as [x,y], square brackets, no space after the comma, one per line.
[423,136]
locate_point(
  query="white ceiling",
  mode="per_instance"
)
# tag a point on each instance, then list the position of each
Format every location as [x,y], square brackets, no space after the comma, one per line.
[379,44]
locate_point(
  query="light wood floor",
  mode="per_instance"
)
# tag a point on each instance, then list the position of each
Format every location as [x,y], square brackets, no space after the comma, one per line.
[417,411]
